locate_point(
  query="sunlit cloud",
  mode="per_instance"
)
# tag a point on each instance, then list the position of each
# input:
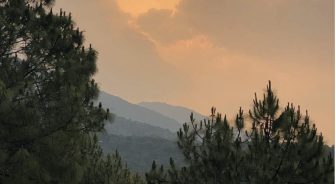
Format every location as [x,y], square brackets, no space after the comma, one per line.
[199,54]
[136,7]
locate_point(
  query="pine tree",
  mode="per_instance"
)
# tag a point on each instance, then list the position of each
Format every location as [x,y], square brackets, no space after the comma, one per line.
[280,147]
[284,146]
[107,170]
[47,114]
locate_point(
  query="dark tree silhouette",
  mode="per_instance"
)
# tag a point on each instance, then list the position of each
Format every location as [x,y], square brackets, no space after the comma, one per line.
[47,116]
[280,147]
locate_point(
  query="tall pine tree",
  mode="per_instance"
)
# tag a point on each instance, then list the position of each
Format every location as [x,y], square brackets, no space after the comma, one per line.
[47,116]
[282,146]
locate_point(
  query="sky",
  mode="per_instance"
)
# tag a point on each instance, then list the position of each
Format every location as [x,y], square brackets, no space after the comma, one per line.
[204,53]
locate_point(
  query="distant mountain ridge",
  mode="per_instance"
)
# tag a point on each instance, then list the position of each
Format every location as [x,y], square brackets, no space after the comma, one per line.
[125,109]
[143,133]
[126,127]
[181,114]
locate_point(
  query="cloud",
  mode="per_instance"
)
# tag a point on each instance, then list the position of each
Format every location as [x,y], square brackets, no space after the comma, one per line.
[136,7]
[163,27]
[231,48]
[128,63]
[263,28]
[214,53]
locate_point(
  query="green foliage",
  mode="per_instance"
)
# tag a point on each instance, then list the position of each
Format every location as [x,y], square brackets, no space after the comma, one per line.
[139,152]
[47,116]
[109,170]
[280,147]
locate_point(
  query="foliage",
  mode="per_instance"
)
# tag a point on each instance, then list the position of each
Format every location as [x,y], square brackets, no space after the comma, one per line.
[139,151]
[47,116]
[109,170]
[280,147]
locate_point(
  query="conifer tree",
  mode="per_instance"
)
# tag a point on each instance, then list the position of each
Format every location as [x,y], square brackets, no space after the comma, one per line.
[47,114]
[107,170]
[280,147]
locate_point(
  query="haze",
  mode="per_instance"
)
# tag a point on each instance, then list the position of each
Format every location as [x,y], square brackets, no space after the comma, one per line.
[199,54]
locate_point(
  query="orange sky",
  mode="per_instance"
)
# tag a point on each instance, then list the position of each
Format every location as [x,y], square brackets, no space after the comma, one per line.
[136,7]
[199,54]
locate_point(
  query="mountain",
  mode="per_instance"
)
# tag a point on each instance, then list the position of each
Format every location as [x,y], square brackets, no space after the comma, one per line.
[122,108]
[181,114]
[126,127]
[139,152]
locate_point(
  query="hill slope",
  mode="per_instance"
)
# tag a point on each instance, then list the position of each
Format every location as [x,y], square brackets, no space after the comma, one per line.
[181,114]
[126,127]
[139,152]
[135,112]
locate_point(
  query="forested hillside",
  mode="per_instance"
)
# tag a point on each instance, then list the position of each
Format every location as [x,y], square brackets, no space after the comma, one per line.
[139,152]
[126,127]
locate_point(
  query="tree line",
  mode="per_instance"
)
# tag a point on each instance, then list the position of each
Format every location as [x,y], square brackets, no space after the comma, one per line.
[49,121]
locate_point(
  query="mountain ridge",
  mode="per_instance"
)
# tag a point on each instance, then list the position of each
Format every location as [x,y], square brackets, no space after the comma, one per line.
[125,109]
[127,127]
[179,113]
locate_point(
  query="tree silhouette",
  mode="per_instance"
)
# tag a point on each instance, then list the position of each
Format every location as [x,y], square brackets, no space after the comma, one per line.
[48,119]
[280,147]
